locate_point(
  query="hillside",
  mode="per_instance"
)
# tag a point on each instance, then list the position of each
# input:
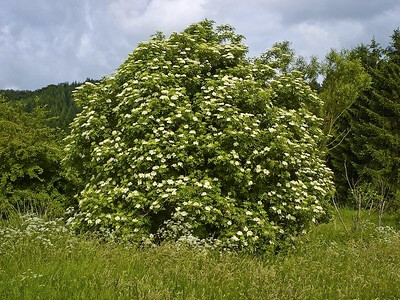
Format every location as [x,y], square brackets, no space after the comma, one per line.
[57,98]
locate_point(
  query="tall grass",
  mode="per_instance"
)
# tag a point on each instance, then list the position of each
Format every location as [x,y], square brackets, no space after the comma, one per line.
[40,259]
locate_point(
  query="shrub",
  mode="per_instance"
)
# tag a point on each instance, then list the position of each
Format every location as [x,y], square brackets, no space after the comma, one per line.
[31,178]
[191,141]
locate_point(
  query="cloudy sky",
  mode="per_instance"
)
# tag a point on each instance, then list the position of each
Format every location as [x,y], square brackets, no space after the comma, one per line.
[51,41]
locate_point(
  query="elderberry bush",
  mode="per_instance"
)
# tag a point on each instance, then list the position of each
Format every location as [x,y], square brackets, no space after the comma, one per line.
[191,141]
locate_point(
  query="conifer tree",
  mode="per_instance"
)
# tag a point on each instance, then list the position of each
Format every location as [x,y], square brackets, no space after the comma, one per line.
[376,122]
[370,152]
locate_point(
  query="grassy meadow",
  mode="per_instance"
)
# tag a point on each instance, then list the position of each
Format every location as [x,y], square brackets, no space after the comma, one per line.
[40,259]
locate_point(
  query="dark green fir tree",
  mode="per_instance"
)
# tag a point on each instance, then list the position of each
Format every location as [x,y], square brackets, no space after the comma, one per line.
[372,148]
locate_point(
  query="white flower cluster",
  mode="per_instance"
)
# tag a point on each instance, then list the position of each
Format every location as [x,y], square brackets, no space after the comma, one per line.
[190,140]
[32,229]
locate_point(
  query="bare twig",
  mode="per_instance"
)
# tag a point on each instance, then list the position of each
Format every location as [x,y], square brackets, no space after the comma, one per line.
[357,196]
[338,136]
[347,133]
[340,215]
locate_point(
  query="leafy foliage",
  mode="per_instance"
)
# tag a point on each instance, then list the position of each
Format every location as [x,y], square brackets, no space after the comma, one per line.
[371,146]
[283,58]
[345,81]
[56,98]
[191,141]
[30,172]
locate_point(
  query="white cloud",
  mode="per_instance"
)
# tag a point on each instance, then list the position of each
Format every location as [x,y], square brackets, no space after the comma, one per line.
[48,41]
[85,46]
[314,39]
[150,16]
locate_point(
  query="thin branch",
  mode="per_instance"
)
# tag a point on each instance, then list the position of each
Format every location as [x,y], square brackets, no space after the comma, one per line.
[340,141]
[336,138]
[340,215]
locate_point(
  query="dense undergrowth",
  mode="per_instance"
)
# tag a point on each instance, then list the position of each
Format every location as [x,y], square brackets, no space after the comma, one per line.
[42,259]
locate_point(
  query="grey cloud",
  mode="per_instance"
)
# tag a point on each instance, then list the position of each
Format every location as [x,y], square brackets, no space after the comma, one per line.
[51,41]
[326,10]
